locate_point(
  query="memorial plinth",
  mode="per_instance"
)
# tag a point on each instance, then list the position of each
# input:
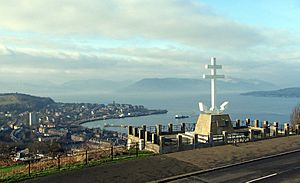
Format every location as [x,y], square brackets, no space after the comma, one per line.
[214,124]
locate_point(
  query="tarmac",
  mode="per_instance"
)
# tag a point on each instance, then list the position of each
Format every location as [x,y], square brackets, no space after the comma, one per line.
[283,167]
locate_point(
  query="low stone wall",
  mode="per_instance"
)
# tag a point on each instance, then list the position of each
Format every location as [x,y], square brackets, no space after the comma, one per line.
[173,138]
[152,147]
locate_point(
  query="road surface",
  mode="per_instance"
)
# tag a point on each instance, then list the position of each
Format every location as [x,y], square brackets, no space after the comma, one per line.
[284,168]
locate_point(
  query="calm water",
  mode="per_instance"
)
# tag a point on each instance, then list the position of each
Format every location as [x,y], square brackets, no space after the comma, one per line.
[262,108]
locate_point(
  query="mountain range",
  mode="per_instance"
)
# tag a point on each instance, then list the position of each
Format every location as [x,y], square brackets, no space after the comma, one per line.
[285,92]
[156,85]
[195,85]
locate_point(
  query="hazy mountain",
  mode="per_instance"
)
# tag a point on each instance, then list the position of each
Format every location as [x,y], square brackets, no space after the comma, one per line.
[195,85]
[286,92]
[153,85]
[76,86]
[32,87]
[94,85]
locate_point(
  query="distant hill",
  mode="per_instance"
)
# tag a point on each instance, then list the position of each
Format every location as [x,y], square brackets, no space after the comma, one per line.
[286,92]
[22,102]
[194,85]
[93,85]
[153,85]
[71,87]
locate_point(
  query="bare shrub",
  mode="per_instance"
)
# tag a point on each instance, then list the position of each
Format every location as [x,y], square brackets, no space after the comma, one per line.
[295,116]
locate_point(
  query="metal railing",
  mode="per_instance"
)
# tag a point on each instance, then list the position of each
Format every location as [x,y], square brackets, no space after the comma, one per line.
[33,167]
[151,129]
[189,127]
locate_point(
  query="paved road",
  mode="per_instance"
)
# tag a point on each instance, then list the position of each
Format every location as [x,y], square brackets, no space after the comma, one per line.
[279,169]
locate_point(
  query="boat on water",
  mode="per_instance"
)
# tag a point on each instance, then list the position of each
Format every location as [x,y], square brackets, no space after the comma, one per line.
[180,116]
[106,125]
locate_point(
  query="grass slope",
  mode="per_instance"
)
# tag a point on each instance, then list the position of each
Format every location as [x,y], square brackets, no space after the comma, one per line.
[22,102]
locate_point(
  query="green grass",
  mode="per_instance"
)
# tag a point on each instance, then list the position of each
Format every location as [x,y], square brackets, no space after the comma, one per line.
[6,169]
[8,99]
[70,167]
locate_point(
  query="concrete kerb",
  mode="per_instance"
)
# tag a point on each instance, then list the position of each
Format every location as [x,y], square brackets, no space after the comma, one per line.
[176,177]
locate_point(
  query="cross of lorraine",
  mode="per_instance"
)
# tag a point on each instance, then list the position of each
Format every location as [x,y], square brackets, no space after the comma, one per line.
[213,76]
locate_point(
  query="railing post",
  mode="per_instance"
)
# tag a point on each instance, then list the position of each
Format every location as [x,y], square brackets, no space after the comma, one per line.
[225,137]
[142,144]
[297,129]
[147,136]
[136,149]
[248,121]
[144,132]
[182,127]
[275,129]
[86,157]
[256,123]
[264,133]
[112,152]
[251,135]
[136,131]
[129,130]
[179,142]
[144,128]
[195,140]
[161,144]
[141,134]
[170,128]
[133,131]
[29,167]
[58,162]
[154,138]
[286,129]
[238,123]
[211,139]
[266,124]
[158,130]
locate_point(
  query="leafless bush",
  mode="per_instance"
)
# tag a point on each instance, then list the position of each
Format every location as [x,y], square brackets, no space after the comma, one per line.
[295,116]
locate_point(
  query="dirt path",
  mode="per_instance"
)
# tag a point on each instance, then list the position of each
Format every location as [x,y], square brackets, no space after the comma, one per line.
[157,167]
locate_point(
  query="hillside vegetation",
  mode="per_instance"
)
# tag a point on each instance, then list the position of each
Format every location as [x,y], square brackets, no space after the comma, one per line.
[22,102]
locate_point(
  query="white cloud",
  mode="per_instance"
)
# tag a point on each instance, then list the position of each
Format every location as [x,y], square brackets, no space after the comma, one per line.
[188,22]
[51,34]
[4,50]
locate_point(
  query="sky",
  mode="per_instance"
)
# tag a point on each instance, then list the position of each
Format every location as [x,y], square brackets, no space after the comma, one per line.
[63,40]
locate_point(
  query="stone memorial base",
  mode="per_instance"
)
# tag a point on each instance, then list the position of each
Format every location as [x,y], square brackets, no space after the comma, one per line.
[214,124]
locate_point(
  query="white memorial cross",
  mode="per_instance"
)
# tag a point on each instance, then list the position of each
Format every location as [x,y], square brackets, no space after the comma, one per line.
[213,76]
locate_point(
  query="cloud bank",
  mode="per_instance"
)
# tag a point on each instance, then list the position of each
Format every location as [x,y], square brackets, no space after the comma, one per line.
[114,39]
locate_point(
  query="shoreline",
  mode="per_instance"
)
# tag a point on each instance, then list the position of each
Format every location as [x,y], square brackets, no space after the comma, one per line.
[152,112]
